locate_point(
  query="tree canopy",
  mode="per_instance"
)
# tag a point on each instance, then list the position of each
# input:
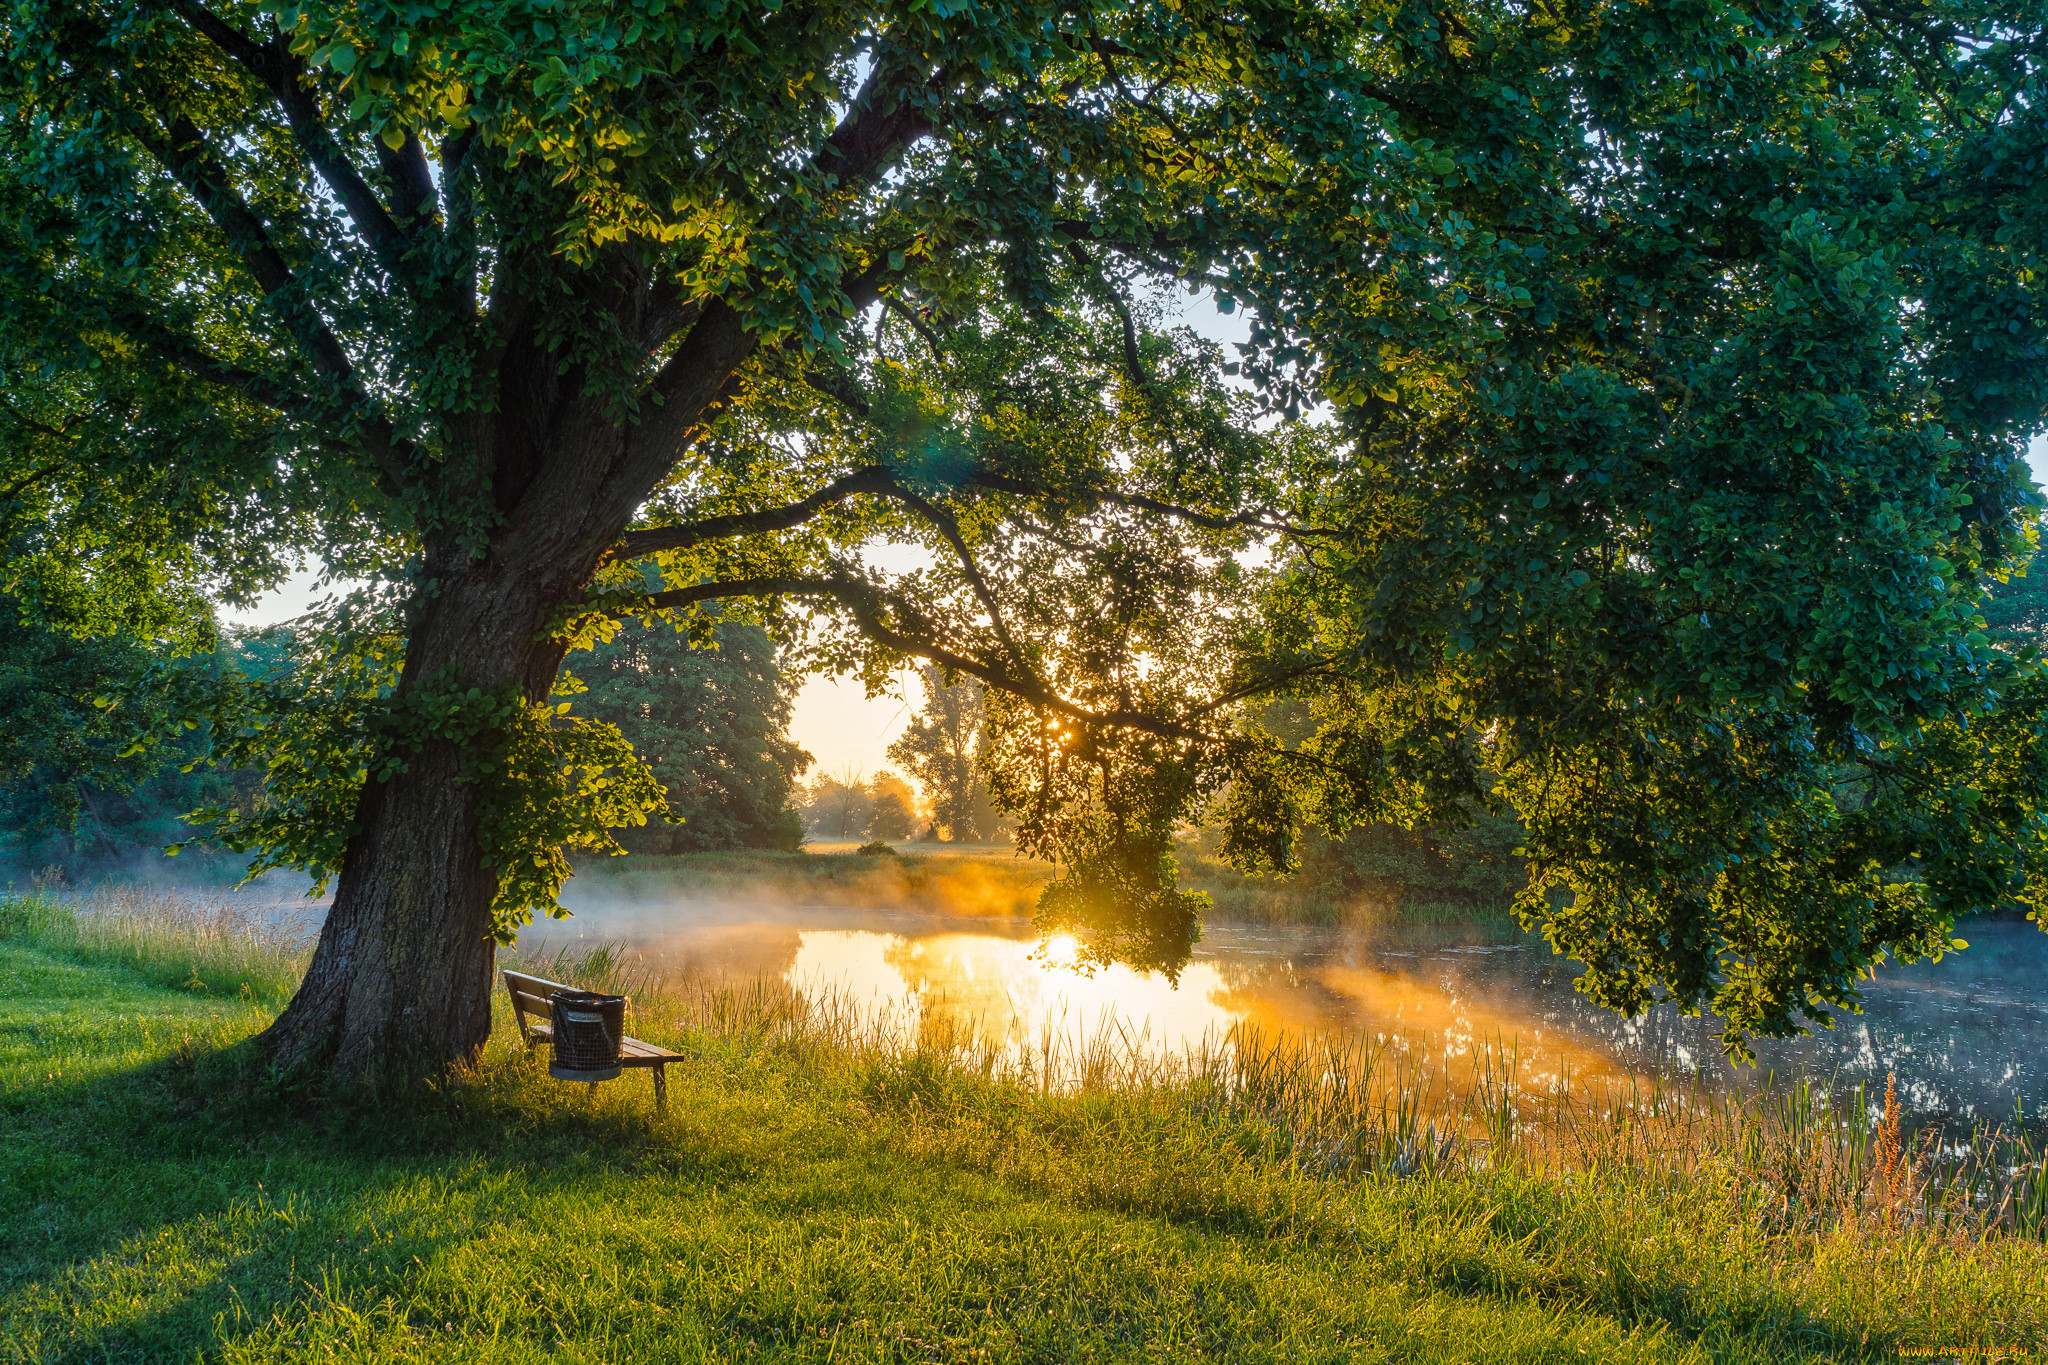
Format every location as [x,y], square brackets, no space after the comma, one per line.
[1629,425]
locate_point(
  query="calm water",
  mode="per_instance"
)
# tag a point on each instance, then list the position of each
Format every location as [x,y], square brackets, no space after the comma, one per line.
[1967,1037]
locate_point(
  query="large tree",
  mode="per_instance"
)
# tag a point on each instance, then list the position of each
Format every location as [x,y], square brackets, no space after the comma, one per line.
[1628,424]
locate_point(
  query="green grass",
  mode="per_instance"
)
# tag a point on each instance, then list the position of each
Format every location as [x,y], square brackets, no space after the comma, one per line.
[816,1195]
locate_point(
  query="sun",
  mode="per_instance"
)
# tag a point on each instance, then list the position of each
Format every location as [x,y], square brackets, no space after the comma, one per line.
[1060,950]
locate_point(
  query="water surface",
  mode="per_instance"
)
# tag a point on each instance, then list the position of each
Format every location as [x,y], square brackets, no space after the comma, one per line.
[1966,1037]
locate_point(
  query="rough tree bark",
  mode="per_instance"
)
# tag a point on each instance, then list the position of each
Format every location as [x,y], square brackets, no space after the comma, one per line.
[402,972]
[401,976]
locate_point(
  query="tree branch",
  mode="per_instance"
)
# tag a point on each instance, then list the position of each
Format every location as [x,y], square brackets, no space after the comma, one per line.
[636,544]
[274,65]
[878,126]
[184,152]
[949,527]
[917,324]
[412,183]
[180,350]
[866,604]
[1003,483]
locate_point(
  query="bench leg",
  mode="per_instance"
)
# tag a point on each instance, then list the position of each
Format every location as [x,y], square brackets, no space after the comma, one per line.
[660,1089]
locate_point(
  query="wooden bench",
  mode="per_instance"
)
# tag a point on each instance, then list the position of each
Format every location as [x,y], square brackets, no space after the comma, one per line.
[532,996]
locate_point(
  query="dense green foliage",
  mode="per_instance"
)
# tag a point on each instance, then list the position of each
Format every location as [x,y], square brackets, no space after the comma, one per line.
[103,749]
[1384,873]
[712,723]
[1671,368]
[2016,611]
[808,1199]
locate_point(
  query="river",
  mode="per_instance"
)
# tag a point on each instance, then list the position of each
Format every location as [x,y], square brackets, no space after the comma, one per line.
[1967,1038]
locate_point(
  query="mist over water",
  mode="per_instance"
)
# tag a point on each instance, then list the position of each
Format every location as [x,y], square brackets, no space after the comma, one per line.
[1967,1037]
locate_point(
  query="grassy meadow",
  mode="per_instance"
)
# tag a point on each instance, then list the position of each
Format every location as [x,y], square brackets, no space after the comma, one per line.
[816,1192]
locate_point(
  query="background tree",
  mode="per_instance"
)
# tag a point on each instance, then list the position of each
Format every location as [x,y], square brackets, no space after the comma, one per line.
[1677,363]
[942,748]
[712,724]
[92,735]
[892,808]
[837,806]
[103,749]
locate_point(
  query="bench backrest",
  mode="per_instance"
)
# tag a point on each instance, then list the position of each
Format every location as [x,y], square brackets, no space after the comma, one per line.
[530,995]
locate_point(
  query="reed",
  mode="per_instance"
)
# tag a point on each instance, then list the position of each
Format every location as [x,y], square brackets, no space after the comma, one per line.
[1796,1155]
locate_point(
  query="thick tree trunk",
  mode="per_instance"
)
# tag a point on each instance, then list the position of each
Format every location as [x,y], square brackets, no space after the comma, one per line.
[402,973]
[401,976]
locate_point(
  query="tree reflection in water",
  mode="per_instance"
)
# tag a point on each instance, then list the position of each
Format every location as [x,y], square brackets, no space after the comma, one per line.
[1966,1037]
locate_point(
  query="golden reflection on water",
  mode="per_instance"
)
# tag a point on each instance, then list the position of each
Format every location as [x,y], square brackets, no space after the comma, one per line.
[1023,998]
[1002,991]
[1019,995]
[1970,1032]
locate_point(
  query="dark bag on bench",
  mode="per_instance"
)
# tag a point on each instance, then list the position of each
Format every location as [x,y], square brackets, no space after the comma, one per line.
[587,1030]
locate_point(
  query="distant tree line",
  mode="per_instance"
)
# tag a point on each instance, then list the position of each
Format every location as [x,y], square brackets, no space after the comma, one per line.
[944,748]
[105,746]
[100,752]
[846,805]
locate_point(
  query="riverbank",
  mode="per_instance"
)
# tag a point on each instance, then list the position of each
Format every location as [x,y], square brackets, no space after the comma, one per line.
[987,880]
[816,1194]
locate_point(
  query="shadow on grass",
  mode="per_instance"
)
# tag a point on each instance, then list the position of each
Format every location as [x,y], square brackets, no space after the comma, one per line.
[162,1210]
[191,1203]
[1503,1240]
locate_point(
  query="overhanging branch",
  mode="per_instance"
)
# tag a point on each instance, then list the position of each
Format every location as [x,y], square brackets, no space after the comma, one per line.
[185,153]
[635,544]
[282,74]
[880,124]
[867,605]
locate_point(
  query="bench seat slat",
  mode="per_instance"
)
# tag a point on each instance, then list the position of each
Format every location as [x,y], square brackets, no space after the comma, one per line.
[639,1051]
[632,1051]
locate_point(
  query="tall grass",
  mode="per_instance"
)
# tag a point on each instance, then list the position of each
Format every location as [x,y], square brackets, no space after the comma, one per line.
[1786,1156]
[205,943]
[1778,1157]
